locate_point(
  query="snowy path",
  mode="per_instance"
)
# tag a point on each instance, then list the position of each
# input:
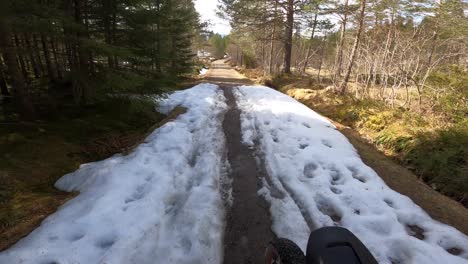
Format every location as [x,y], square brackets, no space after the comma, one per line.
[160,204]
[317,179]
[248,222]
[166,201]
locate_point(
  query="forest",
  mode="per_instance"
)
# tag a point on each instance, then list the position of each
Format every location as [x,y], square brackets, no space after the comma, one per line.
[73,75]
[206,131]
[57,52]
[395,70]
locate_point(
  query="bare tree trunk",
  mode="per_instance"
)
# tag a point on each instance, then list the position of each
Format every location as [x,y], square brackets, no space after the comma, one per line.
[3,85]
[339,53]
[32,57]
[24,102]
[23,65]
[272,41]
[418,88]
[237,55]
[309,48]
[158,37]
[106,5]
[344,84]
[90,62]
[56,58]
[272,49]
[356,90]
[433,47]
[83,54]
[288,36]
[37,53]
[263,55]
[69,50]
[407,99]
[322,52]
[242,58]
[45,49]
[114,32]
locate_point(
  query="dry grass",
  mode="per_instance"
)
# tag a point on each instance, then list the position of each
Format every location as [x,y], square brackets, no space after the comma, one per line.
[424,143]
[35,155]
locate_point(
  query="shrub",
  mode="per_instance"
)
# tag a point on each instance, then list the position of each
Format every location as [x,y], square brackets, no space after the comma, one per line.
[441,158]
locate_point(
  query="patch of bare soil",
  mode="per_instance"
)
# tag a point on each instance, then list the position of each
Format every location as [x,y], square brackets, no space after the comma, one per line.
[248,228]
[248,221]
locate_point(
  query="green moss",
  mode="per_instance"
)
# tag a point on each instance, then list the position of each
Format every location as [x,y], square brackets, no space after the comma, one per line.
[379,121]
[441,158]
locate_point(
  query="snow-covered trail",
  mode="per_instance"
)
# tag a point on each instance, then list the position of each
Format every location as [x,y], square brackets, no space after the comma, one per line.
[163,203]
[316,178]
[166,201]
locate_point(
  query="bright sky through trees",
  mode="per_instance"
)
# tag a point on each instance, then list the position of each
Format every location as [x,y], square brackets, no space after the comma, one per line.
[207,10]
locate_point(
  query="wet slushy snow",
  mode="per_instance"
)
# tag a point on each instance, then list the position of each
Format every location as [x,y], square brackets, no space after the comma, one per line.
[160,204]
[316,178]
[164,202]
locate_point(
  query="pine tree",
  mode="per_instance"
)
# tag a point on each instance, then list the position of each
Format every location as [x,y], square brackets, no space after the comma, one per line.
[88,48]
[10,57]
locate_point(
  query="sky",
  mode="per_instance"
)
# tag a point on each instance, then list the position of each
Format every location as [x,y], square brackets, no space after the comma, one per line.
[207,10]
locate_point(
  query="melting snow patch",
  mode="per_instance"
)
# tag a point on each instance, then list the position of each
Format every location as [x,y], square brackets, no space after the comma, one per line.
[160,204]
[317,179]
[203,71]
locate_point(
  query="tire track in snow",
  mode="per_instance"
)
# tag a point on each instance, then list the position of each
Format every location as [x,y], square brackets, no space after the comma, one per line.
[248,220]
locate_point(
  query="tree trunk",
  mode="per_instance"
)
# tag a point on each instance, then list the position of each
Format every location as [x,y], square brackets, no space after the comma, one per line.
[114,31]
[158,37]
[237,56]
[9,54]
[242,58]
[309,48]
[106,6]
[263,55]
[288,36]
[272,40]
[90,60]
[45,49]
[56,59]
[433,47]
[322,52]
[32,57]
[23,65]
[344,84]
[37,53]
[3,85]
[339,53]
[83,55]
[69,46]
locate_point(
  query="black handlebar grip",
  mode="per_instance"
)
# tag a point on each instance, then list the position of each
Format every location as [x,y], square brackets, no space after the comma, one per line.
[336,245]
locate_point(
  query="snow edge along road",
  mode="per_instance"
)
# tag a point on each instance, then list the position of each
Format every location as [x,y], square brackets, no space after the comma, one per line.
[316,178]
[164,201]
